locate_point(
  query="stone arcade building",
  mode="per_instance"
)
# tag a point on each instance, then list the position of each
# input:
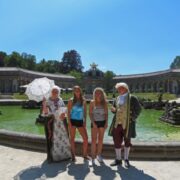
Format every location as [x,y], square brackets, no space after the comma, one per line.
[11,78]
[166,81]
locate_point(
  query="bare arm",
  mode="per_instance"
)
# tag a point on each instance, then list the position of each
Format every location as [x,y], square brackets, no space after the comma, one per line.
[106,115]
[45,109]
[69,111]
[85,111]
[91,115]
[90,111]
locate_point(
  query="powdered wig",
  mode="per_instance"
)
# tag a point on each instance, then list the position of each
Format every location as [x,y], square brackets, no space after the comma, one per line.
[122,84]
[103,96]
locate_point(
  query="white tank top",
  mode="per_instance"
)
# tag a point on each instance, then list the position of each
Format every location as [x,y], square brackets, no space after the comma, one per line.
[98,113]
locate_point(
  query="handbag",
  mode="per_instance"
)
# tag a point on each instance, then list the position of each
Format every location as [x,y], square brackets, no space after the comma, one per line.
[41,120]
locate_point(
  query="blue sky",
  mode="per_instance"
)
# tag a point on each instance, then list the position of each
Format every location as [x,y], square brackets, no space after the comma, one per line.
[125,36]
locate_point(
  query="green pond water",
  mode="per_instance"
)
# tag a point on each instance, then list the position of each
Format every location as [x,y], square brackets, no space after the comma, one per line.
[149,128]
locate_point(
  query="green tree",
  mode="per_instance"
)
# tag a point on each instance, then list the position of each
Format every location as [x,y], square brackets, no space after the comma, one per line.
[50,66]
[71,61]
[78,76]
[108,80]
[176,63]
[2,57]
[28,61]
[41,65]
[13,60]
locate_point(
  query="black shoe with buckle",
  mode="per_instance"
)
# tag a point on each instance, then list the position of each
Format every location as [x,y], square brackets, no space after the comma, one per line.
[73,159]
[127,164]
[116,162]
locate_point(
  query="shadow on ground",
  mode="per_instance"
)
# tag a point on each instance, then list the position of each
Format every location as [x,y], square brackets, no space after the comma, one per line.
[133,173]
[79,171]
[42,172]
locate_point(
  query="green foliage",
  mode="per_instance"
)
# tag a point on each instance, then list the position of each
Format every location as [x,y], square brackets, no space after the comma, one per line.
[13,60]
[71,61]
[108,76]
[50,66]
[149,96]
[176,63]
[77,75]
[66,95]
[155,96]
[40,66]
[24,60]
[20,96]
[2,57]
[28,61]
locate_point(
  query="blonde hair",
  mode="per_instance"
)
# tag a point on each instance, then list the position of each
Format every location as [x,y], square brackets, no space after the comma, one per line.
[103,96]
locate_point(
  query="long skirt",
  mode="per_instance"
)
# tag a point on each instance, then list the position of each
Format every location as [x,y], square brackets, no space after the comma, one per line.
[58,145]
[60,142]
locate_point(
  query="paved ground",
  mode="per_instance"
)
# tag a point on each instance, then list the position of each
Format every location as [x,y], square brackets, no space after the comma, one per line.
[27,165]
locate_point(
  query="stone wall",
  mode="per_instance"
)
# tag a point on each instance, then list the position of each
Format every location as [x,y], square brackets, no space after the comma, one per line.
[139,151]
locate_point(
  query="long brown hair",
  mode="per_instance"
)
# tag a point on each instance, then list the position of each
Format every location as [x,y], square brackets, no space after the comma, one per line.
[81,99]
[103,96]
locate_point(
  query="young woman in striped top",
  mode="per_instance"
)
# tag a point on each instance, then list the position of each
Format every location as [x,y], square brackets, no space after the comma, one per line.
[98,112]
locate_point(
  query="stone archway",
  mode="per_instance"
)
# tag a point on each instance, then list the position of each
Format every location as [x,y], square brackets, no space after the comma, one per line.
[166,86]
[2,86]
[175,87]
[160,86]
[155,87]
[8,86]
[143,87]
[131,87]
[137,87]
[14,85]
[178,92]
[149,87]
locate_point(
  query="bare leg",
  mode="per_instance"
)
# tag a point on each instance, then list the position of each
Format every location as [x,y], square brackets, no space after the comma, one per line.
[83,133]
[100,140]
[94,132]
[72,140]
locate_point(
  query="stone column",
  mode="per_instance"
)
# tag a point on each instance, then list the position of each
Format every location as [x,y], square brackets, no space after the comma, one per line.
[168,86]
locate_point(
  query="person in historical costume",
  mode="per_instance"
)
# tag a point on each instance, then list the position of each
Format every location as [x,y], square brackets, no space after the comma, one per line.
[126,108]
[98,113]
[77,120]
[56,131]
